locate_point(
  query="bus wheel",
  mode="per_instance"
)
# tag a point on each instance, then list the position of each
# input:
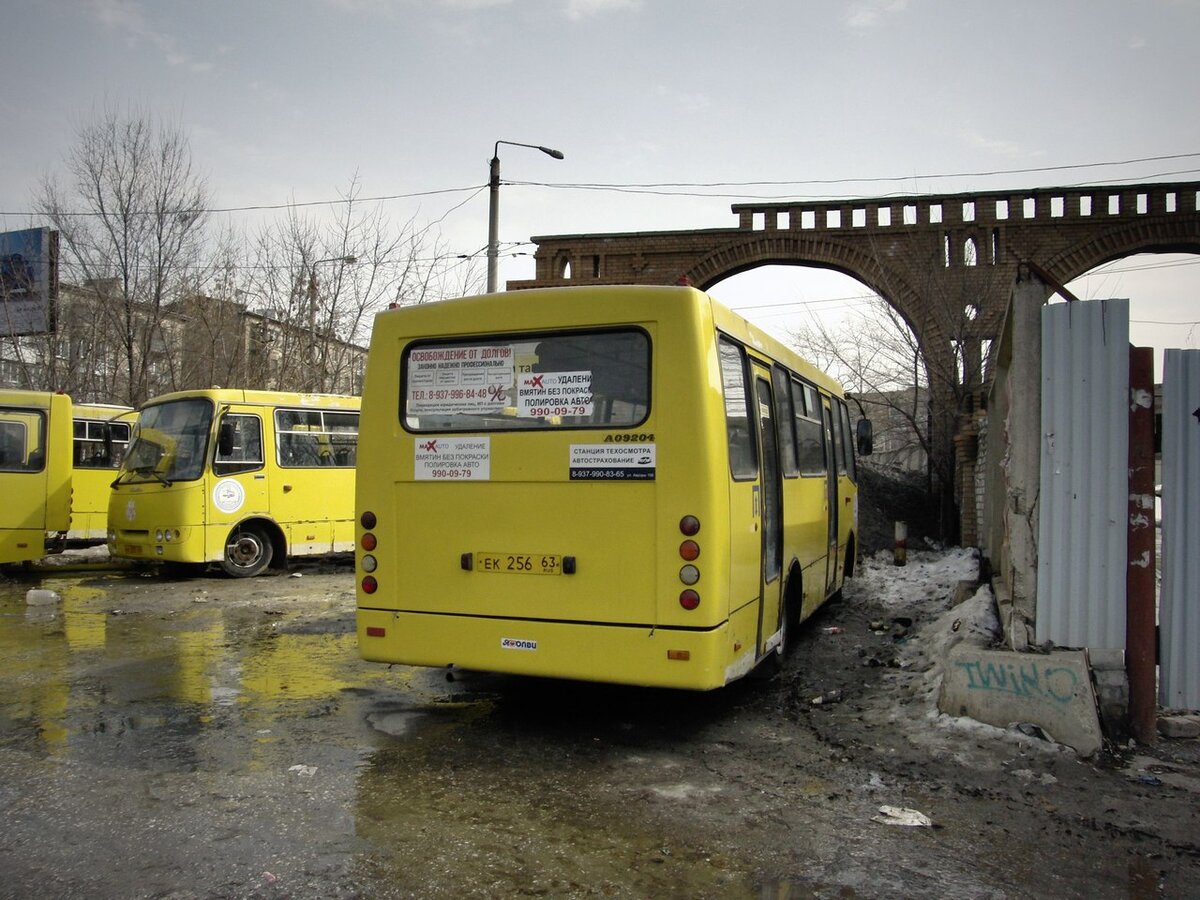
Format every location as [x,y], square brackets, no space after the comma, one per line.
[247,552]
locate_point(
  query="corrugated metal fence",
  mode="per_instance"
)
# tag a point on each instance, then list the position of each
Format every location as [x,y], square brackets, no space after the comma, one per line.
[1084,496]
[1179,610]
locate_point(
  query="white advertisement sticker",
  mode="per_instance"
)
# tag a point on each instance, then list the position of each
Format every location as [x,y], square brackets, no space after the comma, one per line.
[460,379]
[541,394]
[612,462]
[452,459]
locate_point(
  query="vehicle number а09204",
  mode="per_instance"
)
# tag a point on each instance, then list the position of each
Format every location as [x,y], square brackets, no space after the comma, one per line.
[519,563]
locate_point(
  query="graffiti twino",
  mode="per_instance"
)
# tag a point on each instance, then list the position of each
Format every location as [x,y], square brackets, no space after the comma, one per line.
[1032,680]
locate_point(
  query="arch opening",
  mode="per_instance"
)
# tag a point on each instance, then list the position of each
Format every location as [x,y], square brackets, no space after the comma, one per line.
[1162,289]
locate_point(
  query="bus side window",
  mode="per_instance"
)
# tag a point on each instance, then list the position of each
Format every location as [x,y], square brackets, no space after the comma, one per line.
[847,441]
[743,456]
[835,426]
[244,453]
[785,422]
[810,434]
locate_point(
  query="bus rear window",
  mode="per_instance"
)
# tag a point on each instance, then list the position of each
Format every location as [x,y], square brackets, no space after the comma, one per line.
[596,379]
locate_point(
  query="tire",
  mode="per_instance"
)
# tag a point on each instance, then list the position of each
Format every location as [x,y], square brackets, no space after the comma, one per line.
[248,552]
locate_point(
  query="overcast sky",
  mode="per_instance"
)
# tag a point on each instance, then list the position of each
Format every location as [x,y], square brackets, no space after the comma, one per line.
[287,101]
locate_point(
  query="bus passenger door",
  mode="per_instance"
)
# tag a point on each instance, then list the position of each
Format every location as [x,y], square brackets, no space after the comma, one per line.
[831,490]
[239,458]
[771,490]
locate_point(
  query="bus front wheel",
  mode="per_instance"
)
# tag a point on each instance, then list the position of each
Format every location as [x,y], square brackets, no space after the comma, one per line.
[247,552]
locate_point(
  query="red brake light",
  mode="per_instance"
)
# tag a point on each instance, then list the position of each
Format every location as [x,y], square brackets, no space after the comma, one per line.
[369,584]
[368,541]
[368,520]
[689,550]
[689,599]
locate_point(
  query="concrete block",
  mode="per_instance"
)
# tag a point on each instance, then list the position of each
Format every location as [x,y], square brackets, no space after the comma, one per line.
[999,687]
[1179,727]
[1107,659]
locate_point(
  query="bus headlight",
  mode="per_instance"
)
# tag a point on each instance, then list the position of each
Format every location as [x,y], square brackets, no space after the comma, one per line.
[158,535]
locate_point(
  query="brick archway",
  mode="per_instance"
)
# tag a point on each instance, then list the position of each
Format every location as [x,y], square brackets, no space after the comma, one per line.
[947,264]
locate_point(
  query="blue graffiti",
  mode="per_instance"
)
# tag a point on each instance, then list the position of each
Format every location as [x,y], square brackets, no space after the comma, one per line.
[1031,681]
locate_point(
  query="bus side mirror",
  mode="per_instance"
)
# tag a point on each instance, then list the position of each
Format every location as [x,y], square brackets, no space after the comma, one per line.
[866,437]
[225,438]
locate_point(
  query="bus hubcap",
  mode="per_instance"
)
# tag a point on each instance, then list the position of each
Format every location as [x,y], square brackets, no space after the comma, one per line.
[245,550]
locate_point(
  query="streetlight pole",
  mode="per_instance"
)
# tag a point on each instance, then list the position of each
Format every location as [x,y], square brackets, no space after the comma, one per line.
[493,245]
[312,314]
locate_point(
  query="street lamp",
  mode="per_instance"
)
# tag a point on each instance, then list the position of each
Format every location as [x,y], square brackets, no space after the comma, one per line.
[312,313]
[493,245]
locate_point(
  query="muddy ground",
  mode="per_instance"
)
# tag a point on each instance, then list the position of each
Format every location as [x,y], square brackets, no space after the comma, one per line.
[220,738]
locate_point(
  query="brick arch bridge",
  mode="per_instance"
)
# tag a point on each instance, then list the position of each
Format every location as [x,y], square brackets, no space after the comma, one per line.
[947,264]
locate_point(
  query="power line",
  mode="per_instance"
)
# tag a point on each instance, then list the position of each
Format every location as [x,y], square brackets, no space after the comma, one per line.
[667,188]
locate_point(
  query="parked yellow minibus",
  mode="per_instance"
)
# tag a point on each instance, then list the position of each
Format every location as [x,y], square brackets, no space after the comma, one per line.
[617,484]
[35,472]
[244,479]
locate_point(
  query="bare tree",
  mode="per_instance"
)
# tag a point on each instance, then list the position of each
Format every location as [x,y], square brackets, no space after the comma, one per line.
[316,287]
[875,355]
[929,387]
[131,221]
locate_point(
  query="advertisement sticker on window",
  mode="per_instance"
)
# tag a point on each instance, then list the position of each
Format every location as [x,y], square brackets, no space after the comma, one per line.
[460,380]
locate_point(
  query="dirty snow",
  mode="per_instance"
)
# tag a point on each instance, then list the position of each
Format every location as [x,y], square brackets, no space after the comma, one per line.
[924,591]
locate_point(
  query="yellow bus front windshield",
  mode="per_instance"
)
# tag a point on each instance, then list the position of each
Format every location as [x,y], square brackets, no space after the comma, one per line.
[560,380]
[171,442]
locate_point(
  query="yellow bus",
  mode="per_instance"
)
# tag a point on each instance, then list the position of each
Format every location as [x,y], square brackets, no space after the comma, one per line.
[244,479]
[619,484]
[46,442]
[35,472]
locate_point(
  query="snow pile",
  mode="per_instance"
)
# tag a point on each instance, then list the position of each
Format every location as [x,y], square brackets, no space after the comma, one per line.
[927,624]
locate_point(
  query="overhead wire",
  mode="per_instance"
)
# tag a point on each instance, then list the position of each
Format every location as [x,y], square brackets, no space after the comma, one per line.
[697,189]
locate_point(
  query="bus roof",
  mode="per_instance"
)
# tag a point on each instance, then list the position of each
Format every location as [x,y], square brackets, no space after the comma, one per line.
[32,399]
[261,398]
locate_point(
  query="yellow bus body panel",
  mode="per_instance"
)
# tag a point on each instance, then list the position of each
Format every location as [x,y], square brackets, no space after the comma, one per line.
[618,617]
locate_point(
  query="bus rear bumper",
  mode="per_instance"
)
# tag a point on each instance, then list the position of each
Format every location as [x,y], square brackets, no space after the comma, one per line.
[637,655]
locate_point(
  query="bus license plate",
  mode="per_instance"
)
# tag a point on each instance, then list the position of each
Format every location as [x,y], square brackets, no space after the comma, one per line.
[133,550]
[519,563]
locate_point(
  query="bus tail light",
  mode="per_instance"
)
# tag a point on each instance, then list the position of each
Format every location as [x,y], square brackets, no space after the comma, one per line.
[368,520]
[376,631]
[370,585]
[689,550]
[689,574]
[368,541]
[689,525]
[689,599]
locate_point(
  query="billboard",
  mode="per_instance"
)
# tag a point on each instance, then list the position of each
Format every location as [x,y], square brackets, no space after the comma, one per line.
[28,281]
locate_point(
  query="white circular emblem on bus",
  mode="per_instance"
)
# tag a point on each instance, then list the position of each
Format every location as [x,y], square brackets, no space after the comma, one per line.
[228,495]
